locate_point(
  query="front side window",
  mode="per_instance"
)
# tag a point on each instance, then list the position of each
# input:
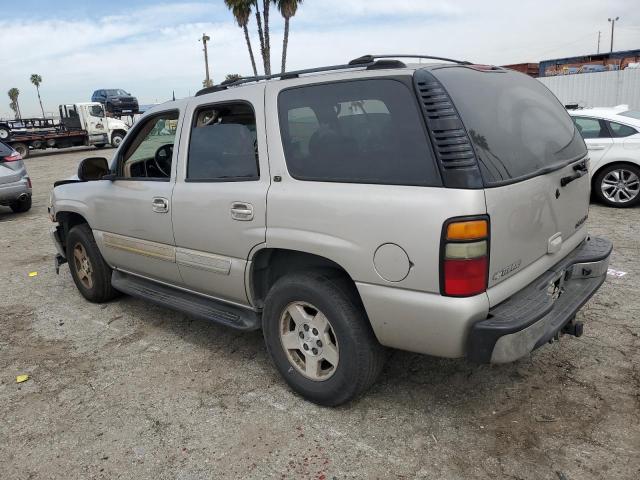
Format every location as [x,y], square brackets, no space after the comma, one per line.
[619,130]
[96,111]
[591,127]
[149,153]
[362,131]
[223,144]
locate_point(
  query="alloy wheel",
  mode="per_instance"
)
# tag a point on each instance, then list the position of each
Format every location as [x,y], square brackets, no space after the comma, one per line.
[83,265]
[309,341]
[620,185]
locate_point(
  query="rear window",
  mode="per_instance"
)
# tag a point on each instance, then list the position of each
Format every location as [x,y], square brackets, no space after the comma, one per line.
[363,131]
[517,126]
[5,150]
[591,127]
[620,131]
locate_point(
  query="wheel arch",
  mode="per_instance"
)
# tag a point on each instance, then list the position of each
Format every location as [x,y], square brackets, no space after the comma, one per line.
[268,265]
[67,220]
[118,131]
[595,174]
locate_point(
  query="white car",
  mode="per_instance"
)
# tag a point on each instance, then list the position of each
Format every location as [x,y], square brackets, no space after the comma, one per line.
[612,136]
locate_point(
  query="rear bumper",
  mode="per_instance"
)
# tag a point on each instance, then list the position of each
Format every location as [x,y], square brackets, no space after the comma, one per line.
[10,192]
[536,314]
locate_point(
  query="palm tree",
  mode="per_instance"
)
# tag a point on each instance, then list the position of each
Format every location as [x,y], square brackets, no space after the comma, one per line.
[241,10]
[15,106]
[266,55]
[288,9]
[37,80]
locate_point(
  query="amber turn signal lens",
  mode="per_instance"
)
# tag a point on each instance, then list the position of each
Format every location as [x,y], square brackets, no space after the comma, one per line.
[472,230]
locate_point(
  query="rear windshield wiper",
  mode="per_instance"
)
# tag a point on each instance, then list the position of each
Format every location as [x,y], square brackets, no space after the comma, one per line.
[580,169]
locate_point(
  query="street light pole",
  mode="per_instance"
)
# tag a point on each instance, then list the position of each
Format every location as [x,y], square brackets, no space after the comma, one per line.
[207,80]
[613,24]
[599,32]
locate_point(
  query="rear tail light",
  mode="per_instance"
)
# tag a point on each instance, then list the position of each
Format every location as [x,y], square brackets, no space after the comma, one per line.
[14,157]
[29,182]
[464,264]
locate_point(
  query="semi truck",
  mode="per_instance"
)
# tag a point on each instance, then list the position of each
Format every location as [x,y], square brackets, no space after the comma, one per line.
[79,124]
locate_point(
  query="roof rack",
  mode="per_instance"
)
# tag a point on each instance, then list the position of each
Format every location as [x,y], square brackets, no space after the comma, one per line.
[366,61]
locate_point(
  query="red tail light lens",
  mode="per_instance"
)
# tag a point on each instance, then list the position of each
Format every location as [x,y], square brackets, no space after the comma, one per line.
[463,278]
[464,263]
[29,182]
[14,157]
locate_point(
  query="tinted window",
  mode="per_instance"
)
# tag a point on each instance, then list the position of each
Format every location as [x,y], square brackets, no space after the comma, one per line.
[96,111]
[223,144]
[367,131]
[618,130]
[631,113]
[5,150]
[517,126]
[591,127]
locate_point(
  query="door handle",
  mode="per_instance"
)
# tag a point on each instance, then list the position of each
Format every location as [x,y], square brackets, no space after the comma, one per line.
[242,211]
[160,205]
[596,147]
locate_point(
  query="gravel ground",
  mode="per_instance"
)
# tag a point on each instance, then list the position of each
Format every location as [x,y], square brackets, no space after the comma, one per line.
[133,391]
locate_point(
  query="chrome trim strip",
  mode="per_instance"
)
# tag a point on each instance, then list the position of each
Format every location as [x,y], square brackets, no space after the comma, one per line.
[203,261]
[147,248]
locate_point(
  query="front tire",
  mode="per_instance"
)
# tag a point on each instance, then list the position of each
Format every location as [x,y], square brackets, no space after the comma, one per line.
[618,185]
[116,140]
[90,272]
[21,206]
[319,338]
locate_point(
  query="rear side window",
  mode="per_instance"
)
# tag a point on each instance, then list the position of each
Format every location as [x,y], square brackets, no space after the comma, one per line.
[591,127]
[5,150]
[517,126]
[223,144]
[363,131]
[619,131]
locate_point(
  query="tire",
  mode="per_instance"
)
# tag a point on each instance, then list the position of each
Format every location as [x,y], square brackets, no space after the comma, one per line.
[100,145]
[5,133]
[116,139]
[21,206]
[348,339]
[618,185]
[93,279]
[22,149]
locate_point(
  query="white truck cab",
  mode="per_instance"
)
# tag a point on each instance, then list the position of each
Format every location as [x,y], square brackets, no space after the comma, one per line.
[91,117]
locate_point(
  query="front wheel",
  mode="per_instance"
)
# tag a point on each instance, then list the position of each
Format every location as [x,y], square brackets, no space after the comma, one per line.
[319,338]
[116,140]
[90,272]
[618,185]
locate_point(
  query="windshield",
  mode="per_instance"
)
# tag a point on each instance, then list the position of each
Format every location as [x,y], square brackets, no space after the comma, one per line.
[631,113]
[116,91]
[517,126]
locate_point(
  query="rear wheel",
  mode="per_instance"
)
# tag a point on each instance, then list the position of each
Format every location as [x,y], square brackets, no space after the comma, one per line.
[21,206]
[90,272]
[22,149]
[319,338]
[618,185]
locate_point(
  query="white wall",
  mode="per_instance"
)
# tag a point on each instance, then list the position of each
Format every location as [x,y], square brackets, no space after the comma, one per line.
[598,89]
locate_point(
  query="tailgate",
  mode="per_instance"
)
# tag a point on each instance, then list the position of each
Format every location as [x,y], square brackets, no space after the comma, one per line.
[532,219]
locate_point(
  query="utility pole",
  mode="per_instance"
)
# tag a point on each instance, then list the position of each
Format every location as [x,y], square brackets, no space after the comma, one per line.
[207,80]
[599,32]
[613,24]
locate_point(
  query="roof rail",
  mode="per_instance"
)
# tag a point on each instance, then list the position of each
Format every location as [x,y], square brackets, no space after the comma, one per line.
[366,61]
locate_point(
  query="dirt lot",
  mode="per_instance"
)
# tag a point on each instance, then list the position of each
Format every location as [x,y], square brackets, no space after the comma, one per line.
[130,390]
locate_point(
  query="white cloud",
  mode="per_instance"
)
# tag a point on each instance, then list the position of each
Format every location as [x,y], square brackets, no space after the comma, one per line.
[152,51]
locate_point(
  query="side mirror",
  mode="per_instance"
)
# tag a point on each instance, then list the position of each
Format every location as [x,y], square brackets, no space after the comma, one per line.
[93,168]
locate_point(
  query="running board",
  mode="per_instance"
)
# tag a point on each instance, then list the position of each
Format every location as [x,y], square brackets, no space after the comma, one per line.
[186,302]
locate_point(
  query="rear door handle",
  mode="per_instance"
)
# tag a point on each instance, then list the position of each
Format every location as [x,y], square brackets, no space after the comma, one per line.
[160,204]
[596,147]
[242,211]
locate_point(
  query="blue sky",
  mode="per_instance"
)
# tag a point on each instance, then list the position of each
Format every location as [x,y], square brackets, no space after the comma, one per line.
[150,47]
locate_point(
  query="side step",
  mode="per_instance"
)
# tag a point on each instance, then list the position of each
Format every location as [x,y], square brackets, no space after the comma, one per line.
[190,303]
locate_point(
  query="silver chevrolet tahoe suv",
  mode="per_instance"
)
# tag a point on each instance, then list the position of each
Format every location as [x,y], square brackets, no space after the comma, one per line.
[437,208]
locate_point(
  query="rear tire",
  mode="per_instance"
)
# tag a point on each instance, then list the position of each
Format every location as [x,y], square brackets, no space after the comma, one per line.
[618,185]
[90,272]
[21,206]
[116,140]
[22,149]
[348,357]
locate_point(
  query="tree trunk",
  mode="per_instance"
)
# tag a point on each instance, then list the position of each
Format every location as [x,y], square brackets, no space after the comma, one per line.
[261,35]
[253,60]
[40,100]
[267,40]
[285,43]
